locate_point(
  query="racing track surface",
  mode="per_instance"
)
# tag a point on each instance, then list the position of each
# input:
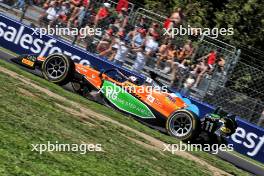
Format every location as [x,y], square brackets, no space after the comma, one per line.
[237,161]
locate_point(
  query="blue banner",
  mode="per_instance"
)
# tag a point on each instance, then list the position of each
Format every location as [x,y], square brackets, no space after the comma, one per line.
[21,39]
[248,140]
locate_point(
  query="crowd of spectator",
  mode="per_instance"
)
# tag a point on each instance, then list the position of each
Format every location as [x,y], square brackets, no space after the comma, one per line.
[143,41]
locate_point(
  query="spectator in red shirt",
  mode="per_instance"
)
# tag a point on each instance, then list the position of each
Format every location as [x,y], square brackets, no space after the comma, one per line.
[174,20]
[167,23]
[102,13]
[211,58]
[206,64]
[122,4]
[86,3]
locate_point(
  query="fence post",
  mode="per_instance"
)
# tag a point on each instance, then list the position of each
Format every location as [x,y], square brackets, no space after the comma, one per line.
[24,12]
[232,65]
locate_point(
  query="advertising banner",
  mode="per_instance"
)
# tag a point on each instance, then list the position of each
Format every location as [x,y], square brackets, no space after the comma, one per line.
[249,140]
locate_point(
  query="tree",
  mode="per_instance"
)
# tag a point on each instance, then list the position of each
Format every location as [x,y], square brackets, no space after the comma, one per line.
[245,16]
[247,19]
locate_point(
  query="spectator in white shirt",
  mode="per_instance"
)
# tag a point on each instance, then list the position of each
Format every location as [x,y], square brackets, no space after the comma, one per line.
[51,13]
[151,44]
[187,85]
[121,54]
[138,39]
[140,61]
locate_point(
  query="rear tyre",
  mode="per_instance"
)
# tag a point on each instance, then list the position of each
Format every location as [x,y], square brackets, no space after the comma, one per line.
[183,125]
[58,69]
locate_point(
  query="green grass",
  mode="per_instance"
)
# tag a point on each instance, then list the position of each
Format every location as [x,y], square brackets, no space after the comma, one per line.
[27,120]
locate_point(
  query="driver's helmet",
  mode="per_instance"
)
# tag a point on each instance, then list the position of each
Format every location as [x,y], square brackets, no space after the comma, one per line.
[133,79]
[229,126]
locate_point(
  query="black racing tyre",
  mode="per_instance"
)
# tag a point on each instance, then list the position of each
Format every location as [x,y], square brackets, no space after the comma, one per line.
[58,69]
[183,125]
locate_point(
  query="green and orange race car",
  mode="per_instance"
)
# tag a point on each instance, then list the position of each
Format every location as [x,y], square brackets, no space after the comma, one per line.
[149,102]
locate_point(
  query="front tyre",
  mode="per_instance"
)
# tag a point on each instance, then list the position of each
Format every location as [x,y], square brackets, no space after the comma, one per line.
[58,69]
[183,125]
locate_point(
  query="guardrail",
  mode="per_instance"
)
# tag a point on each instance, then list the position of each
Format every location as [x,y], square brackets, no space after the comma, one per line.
[149,15]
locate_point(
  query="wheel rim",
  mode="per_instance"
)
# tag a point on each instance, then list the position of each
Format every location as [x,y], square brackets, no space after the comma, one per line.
[181,124]
[55,67]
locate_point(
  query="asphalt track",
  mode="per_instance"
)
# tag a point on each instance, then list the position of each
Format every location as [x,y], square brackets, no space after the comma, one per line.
[231,158]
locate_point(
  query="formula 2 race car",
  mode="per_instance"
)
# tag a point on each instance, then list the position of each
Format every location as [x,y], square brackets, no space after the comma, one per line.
[150,102]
